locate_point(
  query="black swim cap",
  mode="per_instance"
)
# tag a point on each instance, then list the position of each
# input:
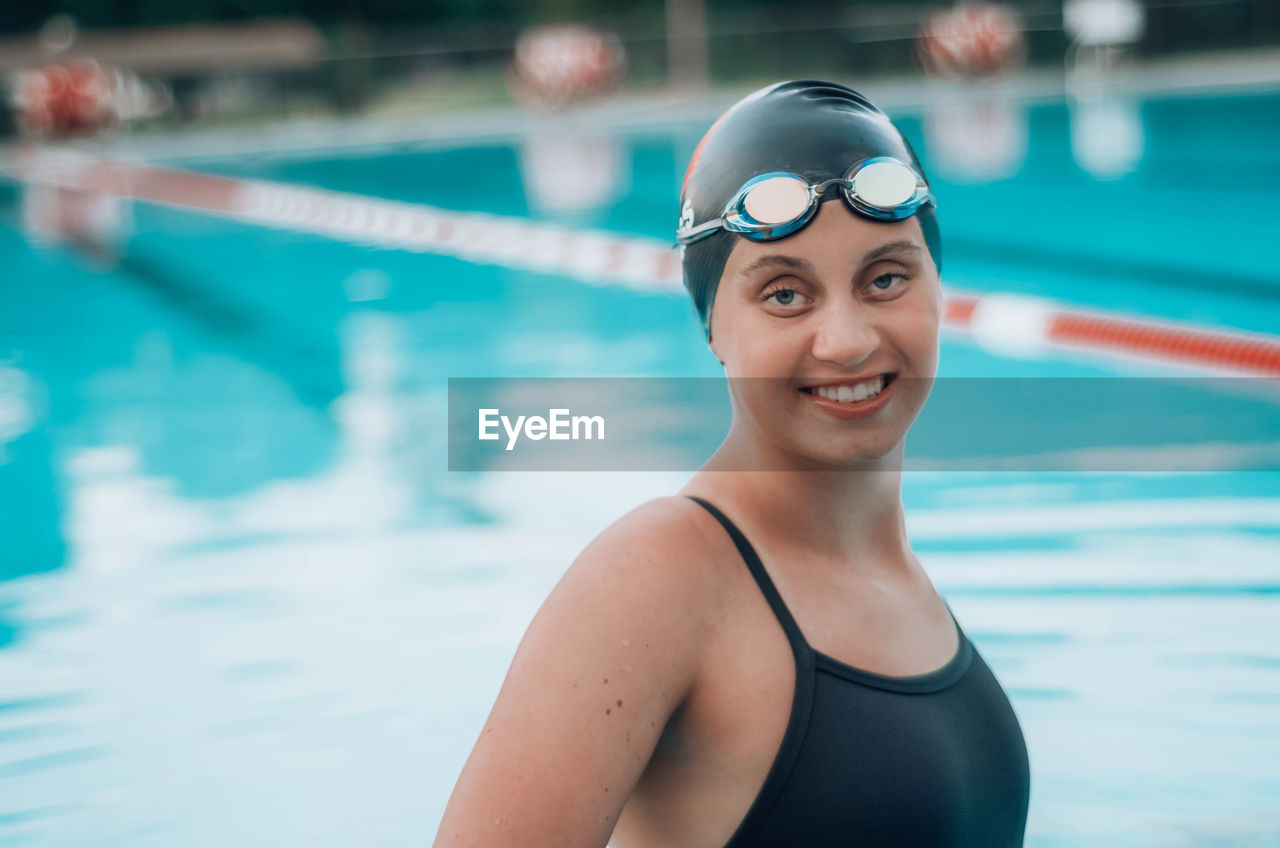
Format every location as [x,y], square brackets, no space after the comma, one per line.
[817,130]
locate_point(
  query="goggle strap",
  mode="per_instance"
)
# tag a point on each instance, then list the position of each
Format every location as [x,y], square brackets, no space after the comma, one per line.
[699,232]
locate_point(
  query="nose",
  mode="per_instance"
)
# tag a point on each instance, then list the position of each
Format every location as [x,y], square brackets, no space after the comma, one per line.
[845,332]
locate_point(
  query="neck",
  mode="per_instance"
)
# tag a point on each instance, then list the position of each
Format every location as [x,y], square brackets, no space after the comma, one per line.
[835,515]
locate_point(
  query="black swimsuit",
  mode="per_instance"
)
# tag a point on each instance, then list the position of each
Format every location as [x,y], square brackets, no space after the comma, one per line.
[934,760]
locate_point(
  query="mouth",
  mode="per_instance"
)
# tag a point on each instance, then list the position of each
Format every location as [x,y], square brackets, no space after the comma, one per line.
[851,399]
[852,392]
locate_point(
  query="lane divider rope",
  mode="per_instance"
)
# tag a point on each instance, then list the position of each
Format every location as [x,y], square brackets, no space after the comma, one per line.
[1000,320]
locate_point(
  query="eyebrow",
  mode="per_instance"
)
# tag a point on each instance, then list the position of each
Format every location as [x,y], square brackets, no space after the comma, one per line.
[891,247]
[792,262]
[797,264]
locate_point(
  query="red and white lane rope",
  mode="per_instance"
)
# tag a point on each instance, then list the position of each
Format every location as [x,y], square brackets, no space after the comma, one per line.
[1022,324]
[592,256]
[1009,322]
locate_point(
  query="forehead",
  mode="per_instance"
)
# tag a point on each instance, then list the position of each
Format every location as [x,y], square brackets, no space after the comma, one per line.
[836,240]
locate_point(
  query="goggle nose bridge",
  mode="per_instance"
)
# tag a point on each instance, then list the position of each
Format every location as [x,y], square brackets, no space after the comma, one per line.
[845,183]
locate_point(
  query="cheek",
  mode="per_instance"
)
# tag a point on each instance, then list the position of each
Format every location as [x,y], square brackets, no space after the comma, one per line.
[927,331]
[918,328]
[754,355]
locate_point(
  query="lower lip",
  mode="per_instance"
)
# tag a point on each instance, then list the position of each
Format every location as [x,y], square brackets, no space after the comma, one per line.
[847,411]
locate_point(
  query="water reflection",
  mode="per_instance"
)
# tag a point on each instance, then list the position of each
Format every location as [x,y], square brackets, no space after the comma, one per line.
[572,173]
[974,133]
[1106,135]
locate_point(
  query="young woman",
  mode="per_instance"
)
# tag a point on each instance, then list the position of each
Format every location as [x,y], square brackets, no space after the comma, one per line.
[761,660]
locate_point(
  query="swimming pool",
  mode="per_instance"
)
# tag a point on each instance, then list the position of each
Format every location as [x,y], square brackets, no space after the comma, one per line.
[241,601]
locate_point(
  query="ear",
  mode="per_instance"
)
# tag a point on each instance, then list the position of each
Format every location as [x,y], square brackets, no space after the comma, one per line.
[711,319]
[712,345]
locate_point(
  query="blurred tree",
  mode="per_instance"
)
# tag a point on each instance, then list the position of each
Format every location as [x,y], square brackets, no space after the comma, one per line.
[1185,24]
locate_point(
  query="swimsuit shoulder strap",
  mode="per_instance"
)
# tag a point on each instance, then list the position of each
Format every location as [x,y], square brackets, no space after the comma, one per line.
[756,567]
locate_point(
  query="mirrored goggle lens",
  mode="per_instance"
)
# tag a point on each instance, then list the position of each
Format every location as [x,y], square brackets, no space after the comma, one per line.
[886,185]
[776,200]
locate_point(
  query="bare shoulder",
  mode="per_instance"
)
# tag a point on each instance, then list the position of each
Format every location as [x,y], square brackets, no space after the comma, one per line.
[609,657]
[666,543]
[653,570]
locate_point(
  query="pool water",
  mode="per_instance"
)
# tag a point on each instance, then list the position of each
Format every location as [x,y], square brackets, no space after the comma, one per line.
[242,601]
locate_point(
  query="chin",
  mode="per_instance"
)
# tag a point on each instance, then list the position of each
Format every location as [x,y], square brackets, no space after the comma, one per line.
[868,452]
[863,461]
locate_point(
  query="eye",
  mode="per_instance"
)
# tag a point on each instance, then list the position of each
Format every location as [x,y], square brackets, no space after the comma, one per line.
[788,298]
[889,280]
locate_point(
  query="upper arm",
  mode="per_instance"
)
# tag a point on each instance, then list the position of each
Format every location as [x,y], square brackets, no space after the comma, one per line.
[607,659]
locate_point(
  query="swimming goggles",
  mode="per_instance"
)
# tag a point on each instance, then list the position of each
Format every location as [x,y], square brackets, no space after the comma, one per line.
[778,203]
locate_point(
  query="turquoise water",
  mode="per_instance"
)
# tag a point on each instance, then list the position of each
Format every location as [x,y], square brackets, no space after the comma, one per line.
[241,601]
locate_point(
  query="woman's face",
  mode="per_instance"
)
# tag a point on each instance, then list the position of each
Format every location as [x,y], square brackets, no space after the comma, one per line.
[842,301]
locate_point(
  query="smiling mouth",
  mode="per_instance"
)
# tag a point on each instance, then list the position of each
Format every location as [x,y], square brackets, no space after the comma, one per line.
[852,393]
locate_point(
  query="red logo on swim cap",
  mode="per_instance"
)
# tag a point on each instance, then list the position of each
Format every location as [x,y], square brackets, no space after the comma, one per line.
[697,151]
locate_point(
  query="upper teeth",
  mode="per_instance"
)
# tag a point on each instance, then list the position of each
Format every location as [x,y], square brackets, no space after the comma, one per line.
[848,393]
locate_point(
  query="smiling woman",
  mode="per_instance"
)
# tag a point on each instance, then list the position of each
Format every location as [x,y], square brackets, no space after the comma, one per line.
[787,676]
